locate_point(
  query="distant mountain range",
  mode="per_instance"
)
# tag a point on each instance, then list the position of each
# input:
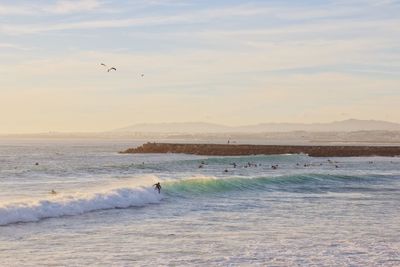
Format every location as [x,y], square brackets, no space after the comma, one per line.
[203,127]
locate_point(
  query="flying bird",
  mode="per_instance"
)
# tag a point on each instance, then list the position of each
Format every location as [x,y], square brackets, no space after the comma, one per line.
[142,75]
[108,69]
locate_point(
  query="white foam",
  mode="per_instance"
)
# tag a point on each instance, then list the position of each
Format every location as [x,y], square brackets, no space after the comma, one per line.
[74,204]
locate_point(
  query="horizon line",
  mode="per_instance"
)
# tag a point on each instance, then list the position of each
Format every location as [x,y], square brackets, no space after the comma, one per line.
[193,122]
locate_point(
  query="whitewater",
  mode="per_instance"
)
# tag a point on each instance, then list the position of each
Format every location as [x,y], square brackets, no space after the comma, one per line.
[80,202]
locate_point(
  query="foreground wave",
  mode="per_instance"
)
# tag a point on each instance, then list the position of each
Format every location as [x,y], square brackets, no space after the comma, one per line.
[75,204]
[131,196]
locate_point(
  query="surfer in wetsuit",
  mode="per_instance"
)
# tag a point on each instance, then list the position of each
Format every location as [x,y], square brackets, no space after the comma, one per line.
[157,187]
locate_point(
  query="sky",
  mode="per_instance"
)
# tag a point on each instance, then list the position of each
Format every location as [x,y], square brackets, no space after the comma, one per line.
[231,62]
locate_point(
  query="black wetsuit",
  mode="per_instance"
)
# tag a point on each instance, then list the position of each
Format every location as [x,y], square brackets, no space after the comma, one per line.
[158,187]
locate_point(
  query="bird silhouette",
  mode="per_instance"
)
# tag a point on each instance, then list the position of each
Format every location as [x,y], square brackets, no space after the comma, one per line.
[107,68]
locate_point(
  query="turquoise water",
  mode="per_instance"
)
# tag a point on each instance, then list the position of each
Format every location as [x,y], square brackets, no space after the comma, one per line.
[307,212]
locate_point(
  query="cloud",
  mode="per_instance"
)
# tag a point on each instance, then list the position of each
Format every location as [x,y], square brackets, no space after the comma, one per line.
[59,7]
[14,46]
[64,7]
[199,16]
[301,19]
[15,10]
[92,24]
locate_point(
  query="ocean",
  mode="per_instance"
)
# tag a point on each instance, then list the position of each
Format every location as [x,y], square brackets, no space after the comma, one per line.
[212,211]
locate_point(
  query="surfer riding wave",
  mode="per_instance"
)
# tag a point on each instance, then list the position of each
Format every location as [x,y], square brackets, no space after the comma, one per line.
[157,186]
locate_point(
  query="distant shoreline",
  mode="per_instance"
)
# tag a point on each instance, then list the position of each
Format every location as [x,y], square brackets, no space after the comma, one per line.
[242,150]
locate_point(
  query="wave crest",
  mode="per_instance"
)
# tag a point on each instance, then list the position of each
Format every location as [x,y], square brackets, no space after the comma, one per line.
[75,204]
[307,183]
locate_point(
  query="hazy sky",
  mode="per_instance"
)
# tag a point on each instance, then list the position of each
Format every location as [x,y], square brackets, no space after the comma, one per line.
[232,62]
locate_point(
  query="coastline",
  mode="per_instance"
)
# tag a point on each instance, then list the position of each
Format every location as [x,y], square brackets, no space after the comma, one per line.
[242,150]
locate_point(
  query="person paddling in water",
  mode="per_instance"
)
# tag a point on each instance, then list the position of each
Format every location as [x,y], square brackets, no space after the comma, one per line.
[157,187]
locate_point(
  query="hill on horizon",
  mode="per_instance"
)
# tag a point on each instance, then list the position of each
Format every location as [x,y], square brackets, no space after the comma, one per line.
[348,125]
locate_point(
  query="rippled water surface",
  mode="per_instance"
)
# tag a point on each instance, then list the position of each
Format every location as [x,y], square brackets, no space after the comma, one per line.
[306,212]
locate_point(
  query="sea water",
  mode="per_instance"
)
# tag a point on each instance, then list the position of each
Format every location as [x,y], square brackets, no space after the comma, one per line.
[105,212]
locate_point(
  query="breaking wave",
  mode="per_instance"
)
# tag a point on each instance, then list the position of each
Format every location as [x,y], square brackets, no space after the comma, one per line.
[32,210]
[75,204]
